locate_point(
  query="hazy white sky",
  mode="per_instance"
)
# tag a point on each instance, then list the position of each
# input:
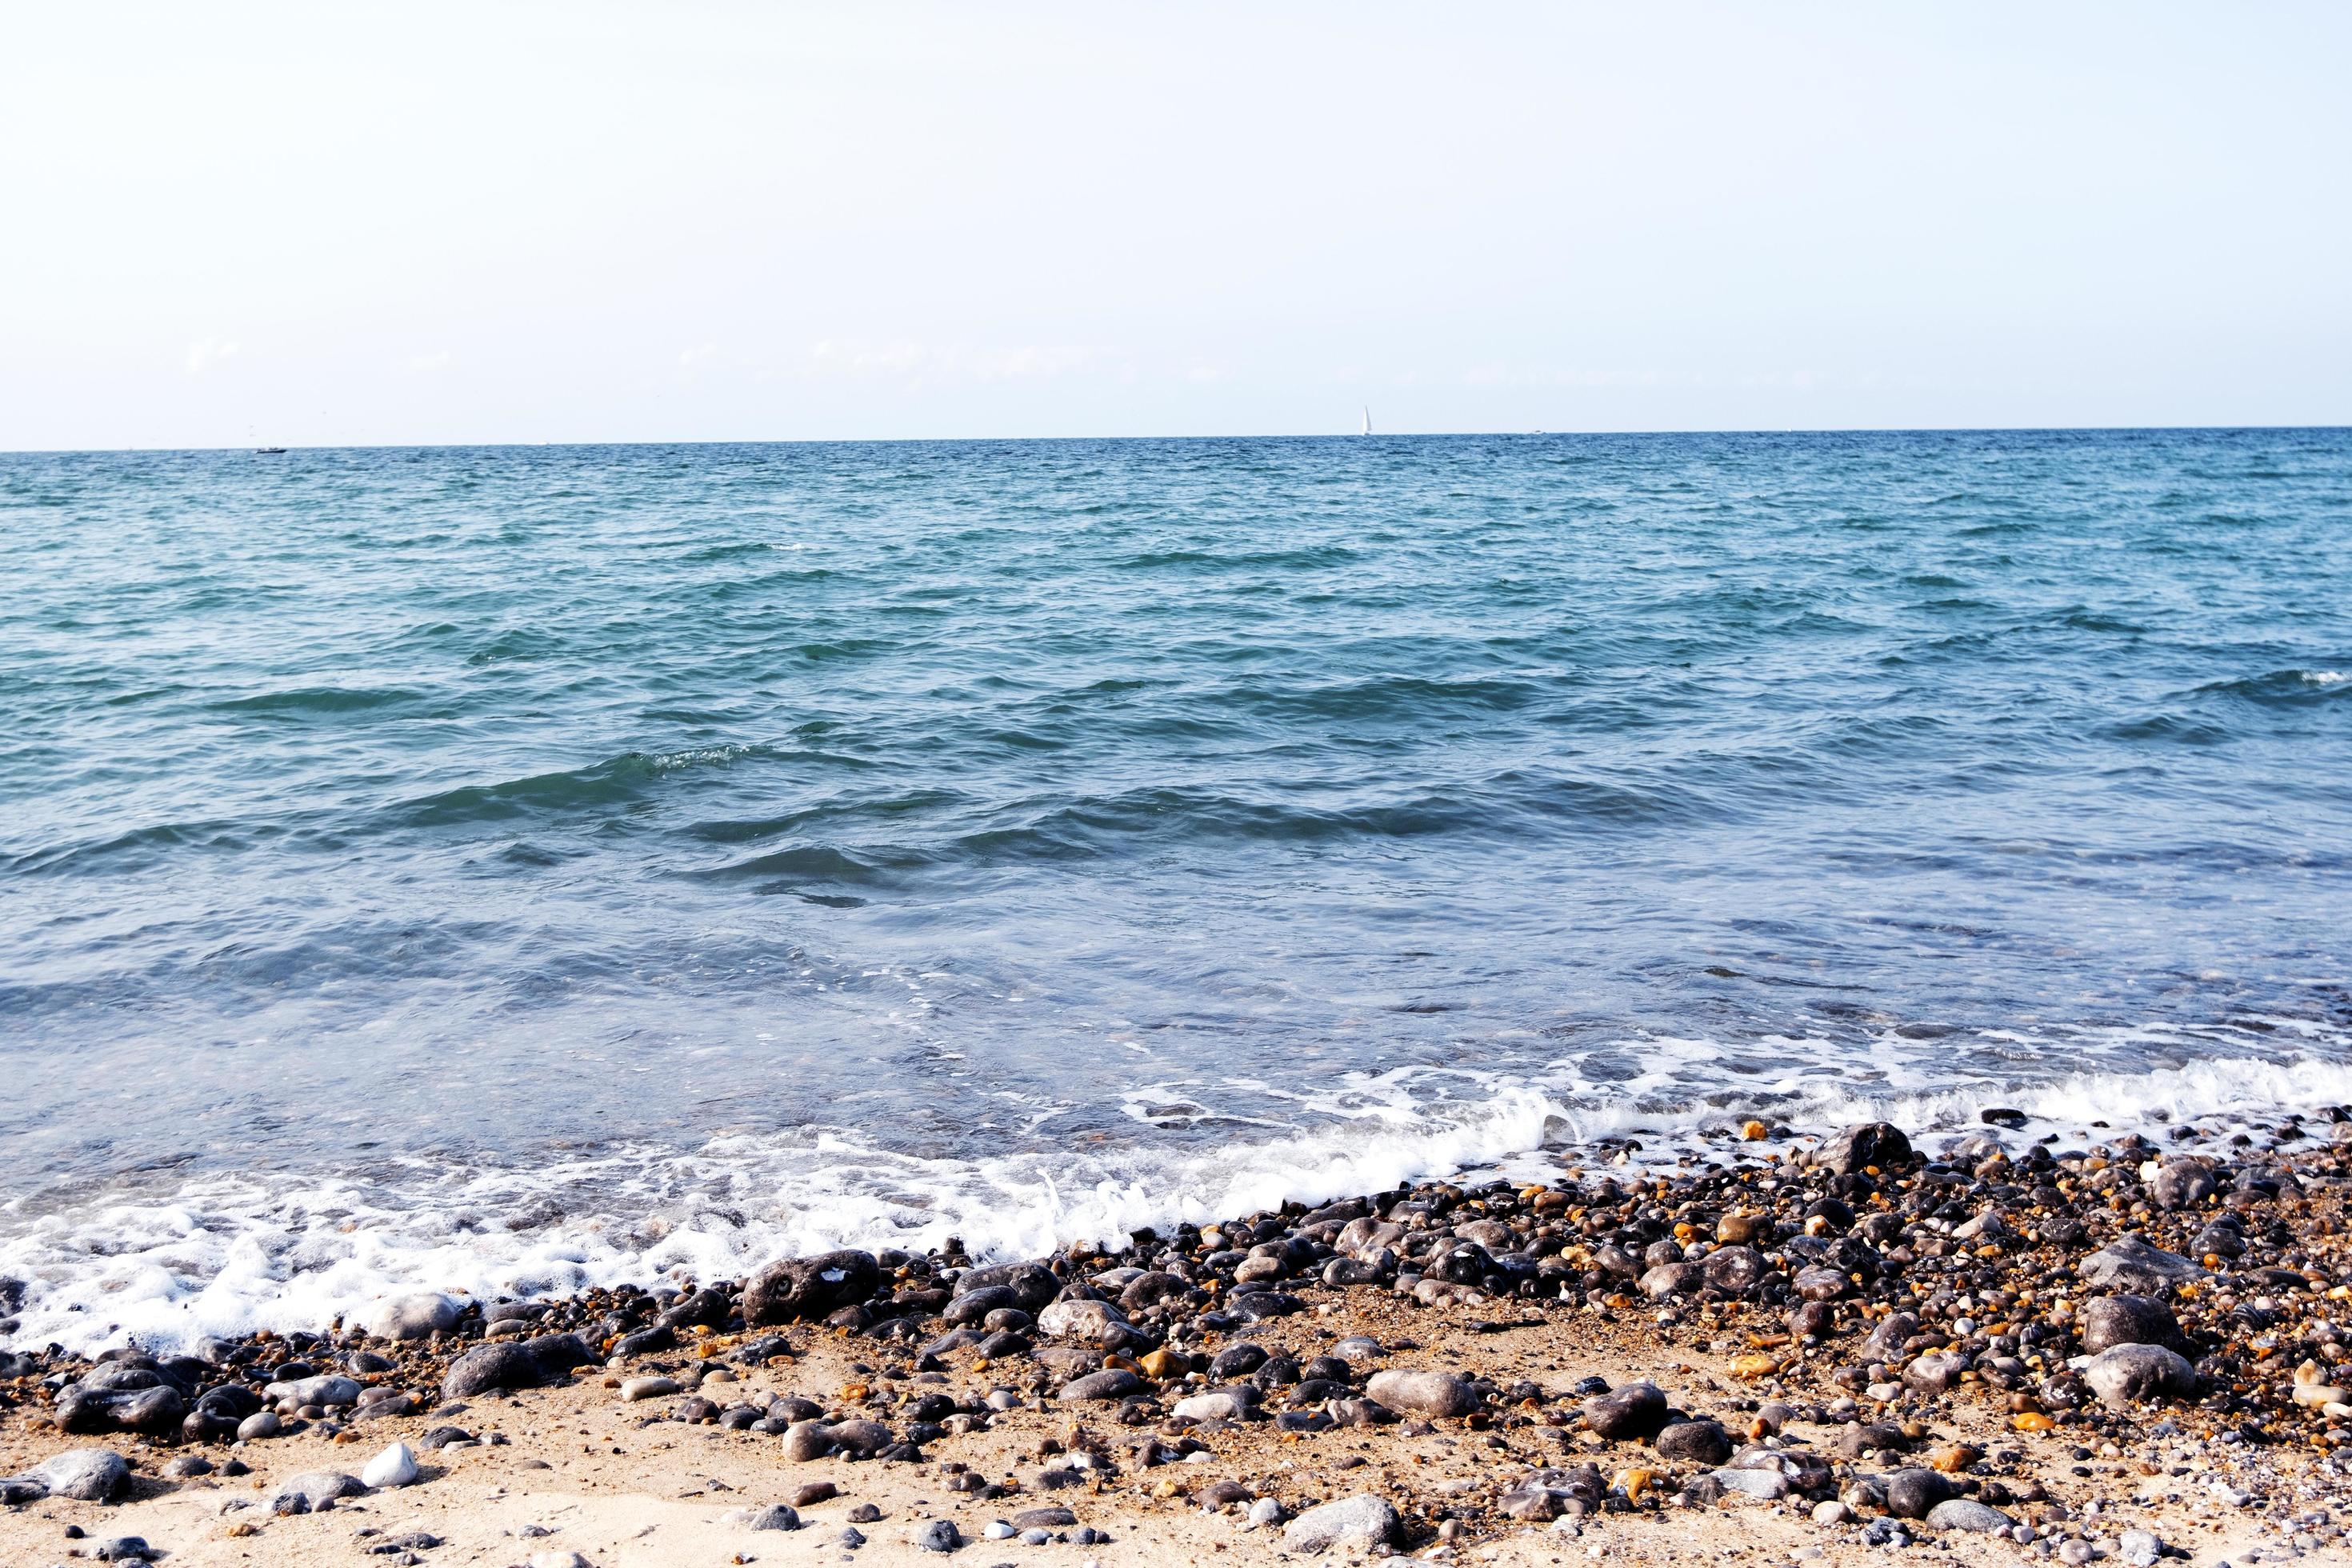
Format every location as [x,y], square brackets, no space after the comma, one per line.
[701,220]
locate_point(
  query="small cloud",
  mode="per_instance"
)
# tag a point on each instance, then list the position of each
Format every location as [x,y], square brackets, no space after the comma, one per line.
[207,352]
[697,356]
[1035,362]
[832,357]
[933,365]
[426,363]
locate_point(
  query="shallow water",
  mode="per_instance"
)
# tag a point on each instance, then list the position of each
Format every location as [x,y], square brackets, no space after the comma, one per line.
[513,865]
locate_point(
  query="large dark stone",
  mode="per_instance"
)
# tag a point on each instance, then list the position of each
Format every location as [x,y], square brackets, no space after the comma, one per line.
[707,1307]
[645,1341]
[1819,1284]
[1914,1493]
[2130,1373]
[1885,1341]
[809,1286]
[156,1412]
[1114,1382]
[236,1400]
[1638,1410]
[86,1410]
[2132,1263]
[123,1376]
[1879,1143]
[2110,1320]
[1237,1360]
[1734,1270]
[1150,1288]
[1671,1279]
[974,1305]
[558,1354]
[1034,1285]
[486,1368]
[1260,1305]
[1464,1263]
[2183,1181]
[1694,1443]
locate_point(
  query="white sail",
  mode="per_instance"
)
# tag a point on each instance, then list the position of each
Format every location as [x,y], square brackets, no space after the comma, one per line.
[1368,420]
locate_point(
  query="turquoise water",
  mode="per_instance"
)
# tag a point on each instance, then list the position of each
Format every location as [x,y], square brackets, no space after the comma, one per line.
[593,859]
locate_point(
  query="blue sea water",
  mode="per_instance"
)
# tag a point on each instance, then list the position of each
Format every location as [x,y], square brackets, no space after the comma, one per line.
[515,867]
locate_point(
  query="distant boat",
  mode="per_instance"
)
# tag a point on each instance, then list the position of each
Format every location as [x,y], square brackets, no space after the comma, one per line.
[1367,421]
[269,451]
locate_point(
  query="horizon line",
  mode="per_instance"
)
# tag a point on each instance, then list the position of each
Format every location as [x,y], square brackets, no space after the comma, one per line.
[1292,436]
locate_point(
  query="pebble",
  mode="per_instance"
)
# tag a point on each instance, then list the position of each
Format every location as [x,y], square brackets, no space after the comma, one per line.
[2131,1263]
[1092,1322]
[1636,1410]
[1966,1513]
[1359,1523]
[1701,1442]
[1111,1384]
[82,1475]
[395,1467]
[1915,1493]
[2110,1320]
[314,1491]
[1945,1241]
[412,1318]
[489,1368]
[1439,1396]
[1218,1405]
[801,1287]
[2128,1374]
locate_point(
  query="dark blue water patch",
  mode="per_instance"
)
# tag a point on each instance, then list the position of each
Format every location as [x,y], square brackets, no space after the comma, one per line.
[2288,688]
[330,700]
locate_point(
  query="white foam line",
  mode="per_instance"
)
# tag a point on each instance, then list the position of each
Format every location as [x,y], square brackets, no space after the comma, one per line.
[226,1255]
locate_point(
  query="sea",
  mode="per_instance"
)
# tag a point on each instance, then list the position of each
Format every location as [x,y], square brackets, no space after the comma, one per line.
[512,869]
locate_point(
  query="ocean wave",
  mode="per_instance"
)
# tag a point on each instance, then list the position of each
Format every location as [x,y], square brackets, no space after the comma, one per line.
[227,1254]
[617,781]
[319,699]
[2284,688]
[132,849]
[1152,820]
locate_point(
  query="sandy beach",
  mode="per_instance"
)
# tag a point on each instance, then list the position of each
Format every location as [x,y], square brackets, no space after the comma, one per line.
[1973,1386]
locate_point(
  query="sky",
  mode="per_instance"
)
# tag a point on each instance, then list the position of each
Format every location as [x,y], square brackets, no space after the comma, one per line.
[229,224]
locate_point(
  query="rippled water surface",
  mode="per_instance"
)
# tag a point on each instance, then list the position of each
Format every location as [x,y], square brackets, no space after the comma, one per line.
[555,861]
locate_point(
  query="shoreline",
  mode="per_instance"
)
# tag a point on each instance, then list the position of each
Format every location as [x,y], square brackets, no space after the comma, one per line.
[1824,1344]
[165,1263]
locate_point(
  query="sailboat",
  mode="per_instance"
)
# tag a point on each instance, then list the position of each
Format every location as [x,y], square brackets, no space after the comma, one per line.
[1367,421]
